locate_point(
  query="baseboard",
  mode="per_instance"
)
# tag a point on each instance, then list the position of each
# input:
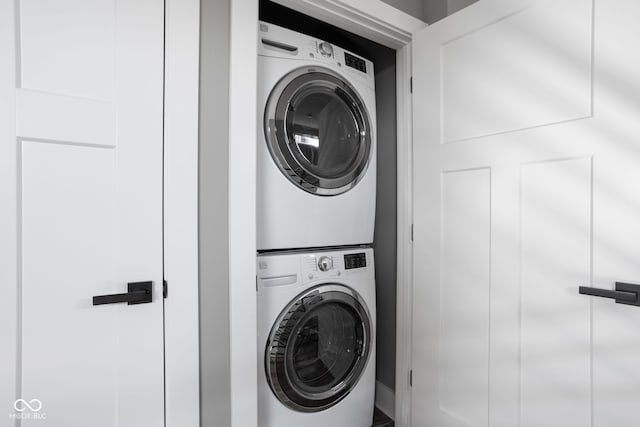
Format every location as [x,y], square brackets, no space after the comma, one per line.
[385,400]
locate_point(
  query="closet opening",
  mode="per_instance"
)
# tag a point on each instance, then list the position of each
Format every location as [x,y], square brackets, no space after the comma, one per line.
[385,232]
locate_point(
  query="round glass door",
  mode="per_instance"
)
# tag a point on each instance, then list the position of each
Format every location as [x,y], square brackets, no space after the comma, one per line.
[318,348]
[318,131]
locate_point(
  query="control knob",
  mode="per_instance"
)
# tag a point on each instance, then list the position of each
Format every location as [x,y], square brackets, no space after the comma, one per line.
[325,49]
[325,263]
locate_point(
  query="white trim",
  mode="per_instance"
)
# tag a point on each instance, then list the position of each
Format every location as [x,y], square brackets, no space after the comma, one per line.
[9,249]
[371,19]
[243,91]
[182,59]
[385,399]
[404,281]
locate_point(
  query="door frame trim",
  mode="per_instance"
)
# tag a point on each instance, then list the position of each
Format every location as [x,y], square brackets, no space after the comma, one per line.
[9,219]
[180,223]
[404,273]
[374,20]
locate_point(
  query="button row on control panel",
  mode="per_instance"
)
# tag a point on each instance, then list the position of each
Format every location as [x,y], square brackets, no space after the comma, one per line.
[311,263]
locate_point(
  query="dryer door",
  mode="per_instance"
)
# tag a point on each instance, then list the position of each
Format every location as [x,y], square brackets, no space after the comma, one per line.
[318,348]
[318,131]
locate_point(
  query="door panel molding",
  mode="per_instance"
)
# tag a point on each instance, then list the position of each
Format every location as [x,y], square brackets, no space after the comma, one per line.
[552,86]
[555,224]
[465,282]
[84,66]
[53,117]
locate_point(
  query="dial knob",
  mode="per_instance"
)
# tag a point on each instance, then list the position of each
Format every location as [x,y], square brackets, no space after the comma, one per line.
[325,263]
[325,49]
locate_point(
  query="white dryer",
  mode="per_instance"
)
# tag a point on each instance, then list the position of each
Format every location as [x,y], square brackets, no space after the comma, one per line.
[316,338]
[316,166]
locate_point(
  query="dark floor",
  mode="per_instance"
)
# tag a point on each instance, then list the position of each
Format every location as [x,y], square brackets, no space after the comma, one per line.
[380,419]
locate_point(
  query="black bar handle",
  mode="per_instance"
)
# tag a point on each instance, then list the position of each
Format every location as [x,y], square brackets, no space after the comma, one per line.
[138,293]
[625,293]
[129,297]
[605,293]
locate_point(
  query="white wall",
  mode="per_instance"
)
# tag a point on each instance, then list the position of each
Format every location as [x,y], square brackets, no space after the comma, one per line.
[384,241]
[213,241]
[434,10]
[455,5]
[429,11]
[412,7]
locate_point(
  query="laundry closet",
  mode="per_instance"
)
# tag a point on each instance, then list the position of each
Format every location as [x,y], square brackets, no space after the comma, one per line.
[327,117]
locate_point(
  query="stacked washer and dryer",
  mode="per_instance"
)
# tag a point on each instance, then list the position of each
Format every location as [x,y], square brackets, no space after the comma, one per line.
[316,194]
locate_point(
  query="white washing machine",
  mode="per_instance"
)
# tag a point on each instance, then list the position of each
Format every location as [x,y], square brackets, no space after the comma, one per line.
[316,338]
[316,165]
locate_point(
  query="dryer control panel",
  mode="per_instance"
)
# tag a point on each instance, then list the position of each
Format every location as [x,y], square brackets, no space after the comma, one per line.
[275,41]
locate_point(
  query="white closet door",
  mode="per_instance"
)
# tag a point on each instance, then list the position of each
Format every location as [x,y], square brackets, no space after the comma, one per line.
[527,164]
[81,197]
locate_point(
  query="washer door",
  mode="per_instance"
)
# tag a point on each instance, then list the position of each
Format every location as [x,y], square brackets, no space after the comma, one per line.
[318,131]
[318,348]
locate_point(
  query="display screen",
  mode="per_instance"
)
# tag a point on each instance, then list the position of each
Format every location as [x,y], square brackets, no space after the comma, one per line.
[355,261]
[355,62]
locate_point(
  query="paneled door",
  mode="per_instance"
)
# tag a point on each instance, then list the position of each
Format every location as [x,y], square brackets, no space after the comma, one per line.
[526,186]
[81,105]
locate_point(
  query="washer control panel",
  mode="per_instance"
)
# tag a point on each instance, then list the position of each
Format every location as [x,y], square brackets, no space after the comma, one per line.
[329,264]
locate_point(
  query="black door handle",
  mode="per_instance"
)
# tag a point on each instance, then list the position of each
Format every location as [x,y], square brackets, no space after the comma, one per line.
[138,293]
[625,293]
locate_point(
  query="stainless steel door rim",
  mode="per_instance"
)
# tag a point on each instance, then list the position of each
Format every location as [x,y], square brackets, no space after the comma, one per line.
[318,131]
[318,347]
